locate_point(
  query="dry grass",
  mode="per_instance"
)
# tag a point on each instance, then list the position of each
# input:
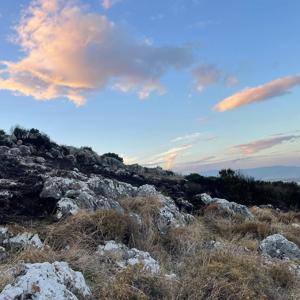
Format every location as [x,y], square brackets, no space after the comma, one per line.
[223,275]
[91,229]
[147,236]
[5,276]
[186,241]
[133,283]
[227,273]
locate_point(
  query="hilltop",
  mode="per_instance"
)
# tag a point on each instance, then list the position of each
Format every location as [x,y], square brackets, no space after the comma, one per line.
[78,225]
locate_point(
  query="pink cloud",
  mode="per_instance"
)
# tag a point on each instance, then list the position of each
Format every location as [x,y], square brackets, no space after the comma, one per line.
[263,92]
[69,51]
[107,4]
[263,144]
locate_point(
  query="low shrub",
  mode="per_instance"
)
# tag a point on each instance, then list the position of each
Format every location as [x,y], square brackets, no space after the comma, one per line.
[91,229]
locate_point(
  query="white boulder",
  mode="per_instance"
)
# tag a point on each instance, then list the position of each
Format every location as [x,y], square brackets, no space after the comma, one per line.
[45,281]
[277,246]
[24,240]
[232,208]
[123,256]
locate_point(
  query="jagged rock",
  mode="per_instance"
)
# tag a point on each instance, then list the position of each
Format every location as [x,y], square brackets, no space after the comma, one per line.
[169,214]
[66,207]
[277,246]
[3,234]
[43,281]
[230,207]
[123,256]
[24,240]
[96,192]
[3,254]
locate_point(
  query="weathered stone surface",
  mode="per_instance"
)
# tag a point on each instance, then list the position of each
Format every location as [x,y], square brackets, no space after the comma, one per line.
[36,173]
[24,240]
[277,246]
[123,256]
[3,234]
[230,207]
[3,254]
[45,281]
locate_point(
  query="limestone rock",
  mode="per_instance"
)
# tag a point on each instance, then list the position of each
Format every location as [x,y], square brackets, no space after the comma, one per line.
[277,246]
[230,207]
[123,256]
[45,281]
[24,240]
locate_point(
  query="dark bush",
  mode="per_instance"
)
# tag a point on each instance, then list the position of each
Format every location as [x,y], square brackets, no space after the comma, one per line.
[32,137]
[246,190]
[113,155]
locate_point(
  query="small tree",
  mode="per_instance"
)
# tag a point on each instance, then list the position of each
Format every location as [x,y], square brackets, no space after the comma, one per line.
[227,173]
[113,155]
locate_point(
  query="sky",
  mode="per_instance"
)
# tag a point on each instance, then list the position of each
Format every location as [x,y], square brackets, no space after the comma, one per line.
[188,85]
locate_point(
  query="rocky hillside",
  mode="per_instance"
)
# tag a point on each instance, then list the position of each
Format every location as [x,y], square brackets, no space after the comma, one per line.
[78,225]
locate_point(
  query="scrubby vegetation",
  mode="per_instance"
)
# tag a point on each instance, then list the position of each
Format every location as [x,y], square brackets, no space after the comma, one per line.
[214,257]
[113,155]
[245,190]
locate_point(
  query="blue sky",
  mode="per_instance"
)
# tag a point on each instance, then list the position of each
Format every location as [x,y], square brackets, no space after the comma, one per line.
[157,81]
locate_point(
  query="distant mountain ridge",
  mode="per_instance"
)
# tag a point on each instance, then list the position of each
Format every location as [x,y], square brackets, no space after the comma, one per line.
[272,173]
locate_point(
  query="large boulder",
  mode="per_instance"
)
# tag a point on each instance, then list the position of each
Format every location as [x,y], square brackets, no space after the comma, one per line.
[45,281]
[277,246]
[23,240]
[169,214]
[78,191]
[227,206]
[123,256]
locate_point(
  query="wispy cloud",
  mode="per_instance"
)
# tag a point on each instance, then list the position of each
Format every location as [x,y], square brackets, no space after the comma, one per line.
[205,76]
[187,137]
[107,4]
[194,137]
[203,120]
[263,92]
[231,80]
[70,51]
[263,144]
[168,157]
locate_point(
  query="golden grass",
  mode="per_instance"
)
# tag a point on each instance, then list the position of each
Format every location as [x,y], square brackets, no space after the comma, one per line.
[224,275]
[133,283]
[227,273]
[5,276]
[91,229]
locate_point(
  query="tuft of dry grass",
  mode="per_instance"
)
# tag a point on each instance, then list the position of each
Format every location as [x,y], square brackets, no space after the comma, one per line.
[90,229]
[5,276]
[133,283]
[224,275]
[254,229]
[186,241]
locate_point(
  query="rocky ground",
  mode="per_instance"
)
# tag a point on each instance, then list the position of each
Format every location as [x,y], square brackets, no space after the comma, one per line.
[77,225]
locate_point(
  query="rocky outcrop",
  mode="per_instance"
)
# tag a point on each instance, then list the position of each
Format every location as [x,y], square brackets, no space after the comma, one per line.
[24,240]
[229,207]
[37,177]
[169,214]
[20,240]
[46,281]
[123,256]
[277,246]
[77,191]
